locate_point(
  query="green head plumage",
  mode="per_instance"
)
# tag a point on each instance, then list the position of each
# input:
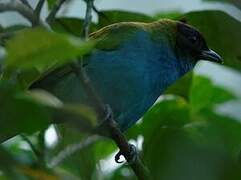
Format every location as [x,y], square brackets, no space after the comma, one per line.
[186,40]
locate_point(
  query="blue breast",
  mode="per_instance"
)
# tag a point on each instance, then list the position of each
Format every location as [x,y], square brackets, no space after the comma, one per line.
[132,77]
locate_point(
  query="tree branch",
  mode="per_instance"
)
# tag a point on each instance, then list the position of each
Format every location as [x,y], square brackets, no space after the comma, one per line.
[71,149]
[54,11]
[5,36]
[22,9]
[38,8]
[26,3]
[42,148]
[40,151]
[100,14]
[111,126]
[137,166]
[34,149]
[88,17]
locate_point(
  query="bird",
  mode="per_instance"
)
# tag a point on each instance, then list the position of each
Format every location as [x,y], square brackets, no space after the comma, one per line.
[131,65]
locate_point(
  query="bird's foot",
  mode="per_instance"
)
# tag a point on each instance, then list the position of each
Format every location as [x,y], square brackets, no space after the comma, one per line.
[133,153]
[106,120]
[132,156]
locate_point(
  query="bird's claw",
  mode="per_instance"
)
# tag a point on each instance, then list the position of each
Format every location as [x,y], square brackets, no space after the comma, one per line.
[132,155]
[101,127]
[117,157]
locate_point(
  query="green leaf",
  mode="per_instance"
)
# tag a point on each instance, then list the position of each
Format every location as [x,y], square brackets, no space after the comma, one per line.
[169,14]
[82,162]
[180,146]
[217,131]
[72,26]
[8,165]
[180,143]
[82,117]
[173,154]
[160,115]
[122,172]
[23,156]
[10,31]
[19,114]
[111,17]
[222,33]
[235,2]
[205,95]
[15,28]
[40,48]
[26,77]
[104,148]
[30,112]
[182,86]
[51,3]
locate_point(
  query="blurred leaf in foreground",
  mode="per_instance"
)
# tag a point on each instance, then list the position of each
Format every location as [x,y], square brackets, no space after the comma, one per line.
[170,15]
[33,111]
[235,2]
[40,48]
[202,86]
[72,26]
[19,114]
[182,86]
[180,143]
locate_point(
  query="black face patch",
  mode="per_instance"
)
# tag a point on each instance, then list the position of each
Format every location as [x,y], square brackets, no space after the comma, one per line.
[190,40]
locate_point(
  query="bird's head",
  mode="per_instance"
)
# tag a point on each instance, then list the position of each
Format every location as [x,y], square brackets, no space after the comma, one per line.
[191,43]
[186,44]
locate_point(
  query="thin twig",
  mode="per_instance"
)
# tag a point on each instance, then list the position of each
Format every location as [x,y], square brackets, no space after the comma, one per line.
[40,151]
[100,14]
[77,67]
[25,11]
[137,166]
[81,73]
[5,36]
[89,89]
[26,3]
[111,126]
[71,149]
[33,148]
[54,11]
[38,8]
[42,148]
[88,18]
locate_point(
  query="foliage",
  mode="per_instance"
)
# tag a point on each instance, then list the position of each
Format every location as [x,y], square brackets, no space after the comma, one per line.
[226,27]
[185,136]
[235,2]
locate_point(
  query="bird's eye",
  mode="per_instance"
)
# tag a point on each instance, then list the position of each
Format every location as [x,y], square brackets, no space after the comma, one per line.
[193,39]
[190,39]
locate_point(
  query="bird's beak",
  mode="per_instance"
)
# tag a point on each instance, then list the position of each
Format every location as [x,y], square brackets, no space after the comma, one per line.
[210,55]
